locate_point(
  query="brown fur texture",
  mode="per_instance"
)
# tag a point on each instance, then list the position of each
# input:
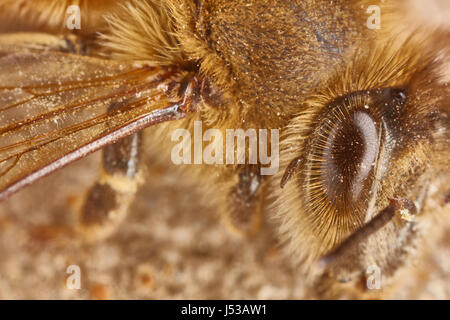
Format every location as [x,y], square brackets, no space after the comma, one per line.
[267,82]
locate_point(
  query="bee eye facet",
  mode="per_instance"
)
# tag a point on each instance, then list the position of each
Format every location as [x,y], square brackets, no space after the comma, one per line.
[348,155]
[340,163]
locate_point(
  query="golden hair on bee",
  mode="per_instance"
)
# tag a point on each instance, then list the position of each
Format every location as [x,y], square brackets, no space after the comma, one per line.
[363,115]
[144,30]
[213,37]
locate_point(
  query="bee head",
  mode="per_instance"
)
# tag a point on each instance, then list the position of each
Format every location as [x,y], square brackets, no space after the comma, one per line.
[376,131]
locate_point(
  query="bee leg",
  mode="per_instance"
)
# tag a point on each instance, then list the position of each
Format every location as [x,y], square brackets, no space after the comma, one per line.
[107,201]
[241,207]
[344,269]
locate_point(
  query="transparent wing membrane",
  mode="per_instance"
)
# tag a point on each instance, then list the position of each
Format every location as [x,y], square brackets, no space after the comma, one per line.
[56,108]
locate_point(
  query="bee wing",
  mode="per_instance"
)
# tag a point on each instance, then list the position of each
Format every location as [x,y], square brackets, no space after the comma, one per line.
[56,108]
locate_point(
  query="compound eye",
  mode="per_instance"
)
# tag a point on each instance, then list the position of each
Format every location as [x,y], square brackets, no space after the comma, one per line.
[349,155]
[341,161]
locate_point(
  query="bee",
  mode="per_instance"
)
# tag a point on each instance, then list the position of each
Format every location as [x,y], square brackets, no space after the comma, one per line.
[363,115]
